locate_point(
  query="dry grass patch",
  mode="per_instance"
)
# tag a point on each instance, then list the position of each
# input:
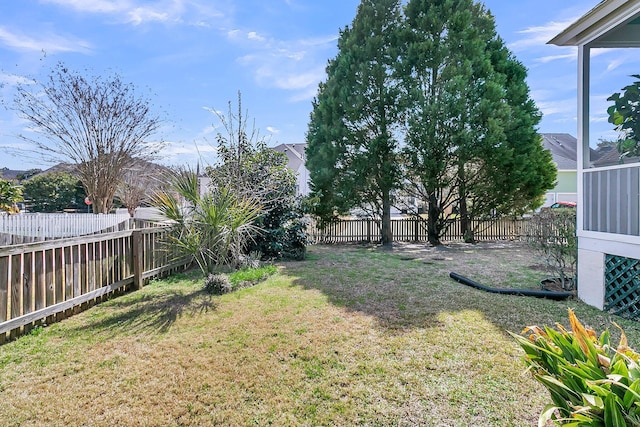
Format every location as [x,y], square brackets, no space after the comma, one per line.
[352,336]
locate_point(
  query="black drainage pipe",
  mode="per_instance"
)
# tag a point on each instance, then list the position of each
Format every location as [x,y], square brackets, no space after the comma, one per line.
[507,291]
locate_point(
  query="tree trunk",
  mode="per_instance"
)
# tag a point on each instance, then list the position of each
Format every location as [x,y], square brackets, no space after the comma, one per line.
[433,231]
[387,235]
[101,205]
[465,226]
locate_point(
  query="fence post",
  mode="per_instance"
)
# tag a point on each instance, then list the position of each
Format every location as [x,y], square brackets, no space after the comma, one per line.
[137,259]
[368,230]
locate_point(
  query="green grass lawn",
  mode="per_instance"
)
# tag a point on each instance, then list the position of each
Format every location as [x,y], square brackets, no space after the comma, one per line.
[352,336]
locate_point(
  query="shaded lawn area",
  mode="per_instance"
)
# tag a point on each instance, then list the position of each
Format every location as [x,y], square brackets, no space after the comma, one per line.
[352,336]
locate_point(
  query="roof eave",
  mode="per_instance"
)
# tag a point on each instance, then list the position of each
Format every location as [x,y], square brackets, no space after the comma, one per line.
[606,16]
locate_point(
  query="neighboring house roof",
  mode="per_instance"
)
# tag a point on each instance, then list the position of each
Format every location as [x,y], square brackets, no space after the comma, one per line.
[61,167]
[608,156]
[6,173]
[71,168]
[563,148]
[295,154]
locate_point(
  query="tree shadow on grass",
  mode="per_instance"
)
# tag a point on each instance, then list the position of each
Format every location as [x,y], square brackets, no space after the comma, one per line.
[147,313]
[403,290]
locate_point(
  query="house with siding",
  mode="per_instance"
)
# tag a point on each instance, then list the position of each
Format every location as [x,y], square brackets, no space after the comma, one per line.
[296,162]
[608,226]
[563,148]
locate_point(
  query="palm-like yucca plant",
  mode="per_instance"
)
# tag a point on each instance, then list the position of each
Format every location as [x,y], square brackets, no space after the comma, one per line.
[213,228]
[591,383]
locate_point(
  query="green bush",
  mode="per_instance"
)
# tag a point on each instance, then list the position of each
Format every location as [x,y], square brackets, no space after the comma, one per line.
[251,276]
[218,284]
[283,231]
[591,383]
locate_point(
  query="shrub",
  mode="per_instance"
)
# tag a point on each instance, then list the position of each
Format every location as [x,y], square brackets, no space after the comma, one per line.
[283,233]
[590,382]
[250,260]
[217,284]
[251,276]
[552,235]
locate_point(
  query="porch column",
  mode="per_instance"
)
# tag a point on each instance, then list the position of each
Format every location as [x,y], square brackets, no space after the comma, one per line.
[591,286]
[582,159]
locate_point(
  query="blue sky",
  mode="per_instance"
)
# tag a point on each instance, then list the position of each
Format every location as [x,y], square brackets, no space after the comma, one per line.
[193,56]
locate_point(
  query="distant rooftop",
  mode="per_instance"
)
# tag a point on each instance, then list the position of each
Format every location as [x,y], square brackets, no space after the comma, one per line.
[295,154]
[563,148]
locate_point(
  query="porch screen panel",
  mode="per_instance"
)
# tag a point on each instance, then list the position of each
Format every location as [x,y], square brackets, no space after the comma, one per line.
[612,201]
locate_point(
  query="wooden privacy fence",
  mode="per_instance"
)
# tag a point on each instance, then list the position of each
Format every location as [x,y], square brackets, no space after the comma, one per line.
[47,281]
[36,227]
[415,230]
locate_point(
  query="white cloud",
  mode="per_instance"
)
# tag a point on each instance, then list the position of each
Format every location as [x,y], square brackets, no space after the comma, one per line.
[615,63]
[306,95]
[48,43]
[296,66]
[133,12]
[14,79]
[293,65]
[300,81]
[537,36]
[271,129]
[181,153]
[599,119]
[318,41]
[212,110]
[557,106]
[233,34]
[549,58]
[140,15]
[93,6]
[208,130]
[252,35]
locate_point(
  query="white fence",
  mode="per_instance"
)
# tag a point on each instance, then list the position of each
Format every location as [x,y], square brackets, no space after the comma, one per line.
[45,226]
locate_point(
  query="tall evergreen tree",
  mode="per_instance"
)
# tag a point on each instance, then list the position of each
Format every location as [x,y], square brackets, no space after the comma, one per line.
[455,103]
[352,152]
[529,167]
[471,124]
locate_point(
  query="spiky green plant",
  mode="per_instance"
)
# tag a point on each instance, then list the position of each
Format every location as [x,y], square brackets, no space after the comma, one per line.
[591,383]
[213,228]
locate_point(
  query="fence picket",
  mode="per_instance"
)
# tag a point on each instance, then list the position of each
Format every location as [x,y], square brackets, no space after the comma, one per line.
[16,286]
[51,279]
[415,229]
[32,227]
[28,299]
[4,288]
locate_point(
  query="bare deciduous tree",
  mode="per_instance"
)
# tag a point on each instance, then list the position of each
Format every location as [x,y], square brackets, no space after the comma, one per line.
[139,183]
[99,123]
